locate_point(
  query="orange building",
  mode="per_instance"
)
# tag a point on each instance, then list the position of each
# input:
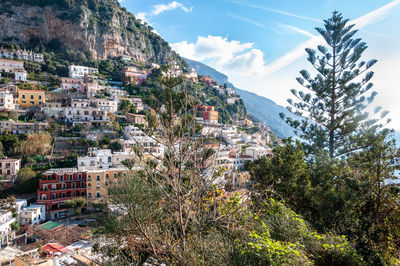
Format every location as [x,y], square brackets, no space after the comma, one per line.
[27,98]
[208,113]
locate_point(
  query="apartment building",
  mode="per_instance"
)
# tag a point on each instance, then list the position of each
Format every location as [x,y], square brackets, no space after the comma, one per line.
[99,181]
[13,127]
[58,185]
[28,98]
[6,232]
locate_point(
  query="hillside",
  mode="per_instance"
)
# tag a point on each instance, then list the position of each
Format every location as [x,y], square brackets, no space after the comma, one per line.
[101,27]
[260,107]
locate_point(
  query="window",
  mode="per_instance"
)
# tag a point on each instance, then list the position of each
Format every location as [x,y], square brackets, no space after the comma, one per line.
[40,97]
[98,185]
[107,176]
[79,176]
[70,177]
[44,197]
[89,195]
[32,96]
[89,185]
[89,178]
[23,96]
[73,185]
[98,194]
[61,178]
[115,175]
[98,178]
[63,185]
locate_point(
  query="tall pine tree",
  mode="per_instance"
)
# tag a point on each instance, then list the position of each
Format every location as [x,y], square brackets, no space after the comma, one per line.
[332,106]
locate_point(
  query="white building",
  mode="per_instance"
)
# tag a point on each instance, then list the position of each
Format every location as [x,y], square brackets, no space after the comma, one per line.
[20,204]
[137,102]
[84,114]
[6,219]
[20,74]
[9,166]
[147,145]
[106,105]
[6,100]
[257,152]
[102,159]
[80,71]
[34,214]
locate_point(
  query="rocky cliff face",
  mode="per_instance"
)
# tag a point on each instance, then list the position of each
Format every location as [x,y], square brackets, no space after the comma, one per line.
[102,27]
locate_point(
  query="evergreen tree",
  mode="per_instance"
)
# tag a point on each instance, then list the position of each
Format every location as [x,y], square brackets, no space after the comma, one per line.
[332,106]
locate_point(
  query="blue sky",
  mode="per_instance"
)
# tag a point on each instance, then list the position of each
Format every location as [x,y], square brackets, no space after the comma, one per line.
[260,44]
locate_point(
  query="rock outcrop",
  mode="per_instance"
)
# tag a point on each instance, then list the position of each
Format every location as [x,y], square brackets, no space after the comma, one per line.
[102,27]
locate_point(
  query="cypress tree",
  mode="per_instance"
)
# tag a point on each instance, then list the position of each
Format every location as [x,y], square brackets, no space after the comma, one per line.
[332,104]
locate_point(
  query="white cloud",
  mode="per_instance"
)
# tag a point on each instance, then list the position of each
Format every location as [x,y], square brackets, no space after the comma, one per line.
[161,8]
[229,56]
[158,9]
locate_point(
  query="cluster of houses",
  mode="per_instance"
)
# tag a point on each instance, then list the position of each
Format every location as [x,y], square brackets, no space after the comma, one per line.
[85,98]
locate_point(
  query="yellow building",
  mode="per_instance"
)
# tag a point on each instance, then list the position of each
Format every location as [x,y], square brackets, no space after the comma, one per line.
[98,182]
[27,98]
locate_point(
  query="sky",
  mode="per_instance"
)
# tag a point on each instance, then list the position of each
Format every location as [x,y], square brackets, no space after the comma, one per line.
[259,44]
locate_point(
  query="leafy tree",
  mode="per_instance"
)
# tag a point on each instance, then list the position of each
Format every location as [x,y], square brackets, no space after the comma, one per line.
[334,101]
[10,143]
[75,204]
[25,174]
[124,106]
[375,223]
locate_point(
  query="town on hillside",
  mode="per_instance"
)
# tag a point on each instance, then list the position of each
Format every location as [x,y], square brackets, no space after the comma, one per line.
[67,139]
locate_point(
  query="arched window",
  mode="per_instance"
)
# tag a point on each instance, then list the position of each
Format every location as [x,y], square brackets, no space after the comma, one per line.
[89,195]
[44,197]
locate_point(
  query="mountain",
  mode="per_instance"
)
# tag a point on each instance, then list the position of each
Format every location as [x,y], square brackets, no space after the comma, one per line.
[101,27]
[263,109]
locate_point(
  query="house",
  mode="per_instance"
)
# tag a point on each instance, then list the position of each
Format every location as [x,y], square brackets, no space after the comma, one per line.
[58,185]
[136,119]
[19,205]
[106,105]
[54,249]
[137,102]
[208,80]
[192,75]
[134,75]
[28,98]
[232,100]
[72,83]
[34,214]
[20,74]
[6,100]
[77,72]
[6,232]
[13,127]
[9,167]
[208,113]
